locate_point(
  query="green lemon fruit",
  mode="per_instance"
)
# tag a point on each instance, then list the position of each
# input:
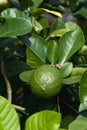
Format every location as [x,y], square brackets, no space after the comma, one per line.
[46,81]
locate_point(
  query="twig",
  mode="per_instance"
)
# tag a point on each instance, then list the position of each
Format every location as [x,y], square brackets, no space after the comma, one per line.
[8,85]
[9,88]
[19,107]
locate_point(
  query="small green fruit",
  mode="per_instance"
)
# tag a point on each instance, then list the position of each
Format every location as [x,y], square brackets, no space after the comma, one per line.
[46,81]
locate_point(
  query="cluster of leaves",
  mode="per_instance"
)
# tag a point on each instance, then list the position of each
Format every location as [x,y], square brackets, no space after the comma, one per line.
[34,33]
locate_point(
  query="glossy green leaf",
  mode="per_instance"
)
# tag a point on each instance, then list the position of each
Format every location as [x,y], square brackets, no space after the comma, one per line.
[36,53]
[57,25]
[59,32]
[15,23]
[66,69]
[78,71]
[53,51]
[44,23]
[67,120]
[83,50]
[58,28]
[72,80]
[83,90]
[8,117]
[37,26]
[56,13]
[81,107]
[25,76]
[32,59]
[44,120]
[70,42]
[80,123]
[83,12]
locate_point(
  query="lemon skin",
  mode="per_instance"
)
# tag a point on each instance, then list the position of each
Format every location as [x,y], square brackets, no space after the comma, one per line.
[46,81]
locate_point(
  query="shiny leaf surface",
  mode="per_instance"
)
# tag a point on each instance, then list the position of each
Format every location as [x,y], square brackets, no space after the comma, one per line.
[53,51]
[25,76]
[72,80]
[8,117]
[66,69]
[36,53]
[15,23]
[70,42]
[83,89]
[80,123]
[44,120]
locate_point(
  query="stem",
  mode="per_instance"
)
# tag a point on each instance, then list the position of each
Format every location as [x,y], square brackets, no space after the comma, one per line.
[8,85]
[58,106]
[19,107]
[9,88]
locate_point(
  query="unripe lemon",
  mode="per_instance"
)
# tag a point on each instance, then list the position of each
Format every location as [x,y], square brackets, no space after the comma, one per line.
[46,81]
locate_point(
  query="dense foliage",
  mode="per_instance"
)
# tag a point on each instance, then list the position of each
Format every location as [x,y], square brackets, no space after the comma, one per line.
[34,33]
